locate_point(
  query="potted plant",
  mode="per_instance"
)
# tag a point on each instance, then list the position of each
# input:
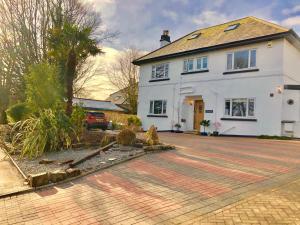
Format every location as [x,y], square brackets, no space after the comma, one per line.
[217,126]
[178,126]
[204,123]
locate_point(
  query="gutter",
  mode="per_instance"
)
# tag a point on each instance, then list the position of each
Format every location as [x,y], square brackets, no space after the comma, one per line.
[221,46]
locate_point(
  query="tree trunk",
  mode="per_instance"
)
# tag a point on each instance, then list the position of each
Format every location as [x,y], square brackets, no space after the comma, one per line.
[70,76]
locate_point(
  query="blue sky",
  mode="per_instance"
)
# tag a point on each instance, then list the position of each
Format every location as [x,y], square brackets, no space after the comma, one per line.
[140,22]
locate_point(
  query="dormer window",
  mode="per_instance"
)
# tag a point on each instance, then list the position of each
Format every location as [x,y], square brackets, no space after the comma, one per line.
[232,27]
[194,36]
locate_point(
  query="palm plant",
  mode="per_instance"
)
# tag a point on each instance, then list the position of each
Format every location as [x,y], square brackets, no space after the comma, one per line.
[69,46]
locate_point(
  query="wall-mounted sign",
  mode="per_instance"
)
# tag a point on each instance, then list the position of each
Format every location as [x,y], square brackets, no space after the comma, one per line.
[209,111]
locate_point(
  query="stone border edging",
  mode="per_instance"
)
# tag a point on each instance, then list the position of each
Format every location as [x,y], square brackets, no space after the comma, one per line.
[32,189]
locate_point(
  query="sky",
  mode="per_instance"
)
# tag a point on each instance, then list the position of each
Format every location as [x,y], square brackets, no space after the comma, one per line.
[141,22]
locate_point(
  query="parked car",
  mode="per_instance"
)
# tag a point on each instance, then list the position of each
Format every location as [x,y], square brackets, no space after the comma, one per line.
[96,120]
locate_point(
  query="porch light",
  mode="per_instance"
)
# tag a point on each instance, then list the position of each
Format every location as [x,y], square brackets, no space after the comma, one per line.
[279,89]
[191,102]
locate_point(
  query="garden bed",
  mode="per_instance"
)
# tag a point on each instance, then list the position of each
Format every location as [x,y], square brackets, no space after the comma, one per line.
[33,166]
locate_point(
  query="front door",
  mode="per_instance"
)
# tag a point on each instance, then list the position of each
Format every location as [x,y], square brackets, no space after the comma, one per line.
[198,113]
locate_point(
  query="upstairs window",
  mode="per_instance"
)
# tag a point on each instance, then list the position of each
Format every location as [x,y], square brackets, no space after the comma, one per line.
[241,60]
[190,65]
[158,107]
[232,27]
[202,63]
[239,107]
[160,71]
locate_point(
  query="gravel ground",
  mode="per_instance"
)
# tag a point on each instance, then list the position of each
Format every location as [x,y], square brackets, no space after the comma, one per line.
[103,159]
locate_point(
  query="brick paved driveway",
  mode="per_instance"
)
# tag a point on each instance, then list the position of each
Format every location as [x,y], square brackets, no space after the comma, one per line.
[207,181]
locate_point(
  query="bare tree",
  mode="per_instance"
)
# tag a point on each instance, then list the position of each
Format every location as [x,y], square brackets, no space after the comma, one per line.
[124,76]
[24,27]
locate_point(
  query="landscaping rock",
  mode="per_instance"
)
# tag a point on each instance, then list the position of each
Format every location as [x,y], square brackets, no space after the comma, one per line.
[73,172]
[36,180]
[46,161]
[57,175]
[158,148]
[65,162]
[112,159]
[138,145]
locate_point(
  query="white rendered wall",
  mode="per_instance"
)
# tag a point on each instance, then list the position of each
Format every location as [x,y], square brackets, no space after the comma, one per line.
[213,86]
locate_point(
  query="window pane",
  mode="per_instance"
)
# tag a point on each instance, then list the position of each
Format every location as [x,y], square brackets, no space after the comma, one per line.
[229,61]
[253,58]
[157,107]
[166,70]
[241,59]
[251,107]
[153,72]
[190,64]
[151,107]
[227,107]
[204,63]
[164,107]
[239,107]
[160,71]
[185,66]
[199,64]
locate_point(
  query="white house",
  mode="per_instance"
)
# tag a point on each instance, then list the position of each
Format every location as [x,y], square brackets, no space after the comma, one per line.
[244,74]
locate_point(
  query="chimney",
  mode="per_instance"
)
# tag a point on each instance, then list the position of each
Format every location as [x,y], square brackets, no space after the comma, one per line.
[165,38]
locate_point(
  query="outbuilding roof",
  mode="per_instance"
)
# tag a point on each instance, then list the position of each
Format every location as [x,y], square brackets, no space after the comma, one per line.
[219,36]
[92,104]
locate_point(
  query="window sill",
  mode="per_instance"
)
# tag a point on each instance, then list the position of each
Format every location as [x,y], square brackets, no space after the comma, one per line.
[240,71]
[239,119]
[162,116]
[192,72]
[157,80]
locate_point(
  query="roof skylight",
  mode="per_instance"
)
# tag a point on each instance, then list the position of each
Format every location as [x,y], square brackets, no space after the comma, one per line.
[193,36]
[232,27]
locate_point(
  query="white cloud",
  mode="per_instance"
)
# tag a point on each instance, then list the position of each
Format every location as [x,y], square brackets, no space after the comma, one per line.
[209,17]
[292,10]
[291,21]
[170,14]
[99,87]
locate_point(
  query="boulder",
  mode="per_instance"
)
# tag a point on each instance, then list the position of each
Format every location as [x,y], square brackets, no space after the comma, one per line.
[57,175]
[73,172]
[36,180]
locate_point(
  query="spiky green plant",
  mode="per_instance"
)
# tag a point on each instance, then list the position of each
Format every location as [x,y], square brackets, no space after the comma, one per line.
[51,130]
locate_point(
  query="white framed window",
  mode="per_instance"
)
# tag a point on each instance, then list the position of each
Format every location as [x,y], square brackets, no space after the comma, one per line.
[239,107]
[241,59]
[160,71]
[188,65]
[158,107]
[200,64]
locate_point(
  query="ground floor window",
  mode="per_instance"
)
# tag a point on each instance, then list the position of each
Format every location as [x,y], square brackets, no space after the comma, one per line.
[240,107]
[158,107]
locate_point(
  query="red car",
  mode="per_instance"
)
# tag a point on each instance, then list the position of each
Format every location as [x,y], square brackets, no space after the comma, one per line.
[96,120]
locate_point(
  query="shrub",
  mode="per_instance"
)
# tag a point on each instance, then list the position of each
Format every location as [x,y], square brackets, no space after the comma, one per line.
[50,131]
[151,136]
[3,117]
[17,112]
[107,139]
[126,137]
[43,90]
[134,120]
[77,119]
